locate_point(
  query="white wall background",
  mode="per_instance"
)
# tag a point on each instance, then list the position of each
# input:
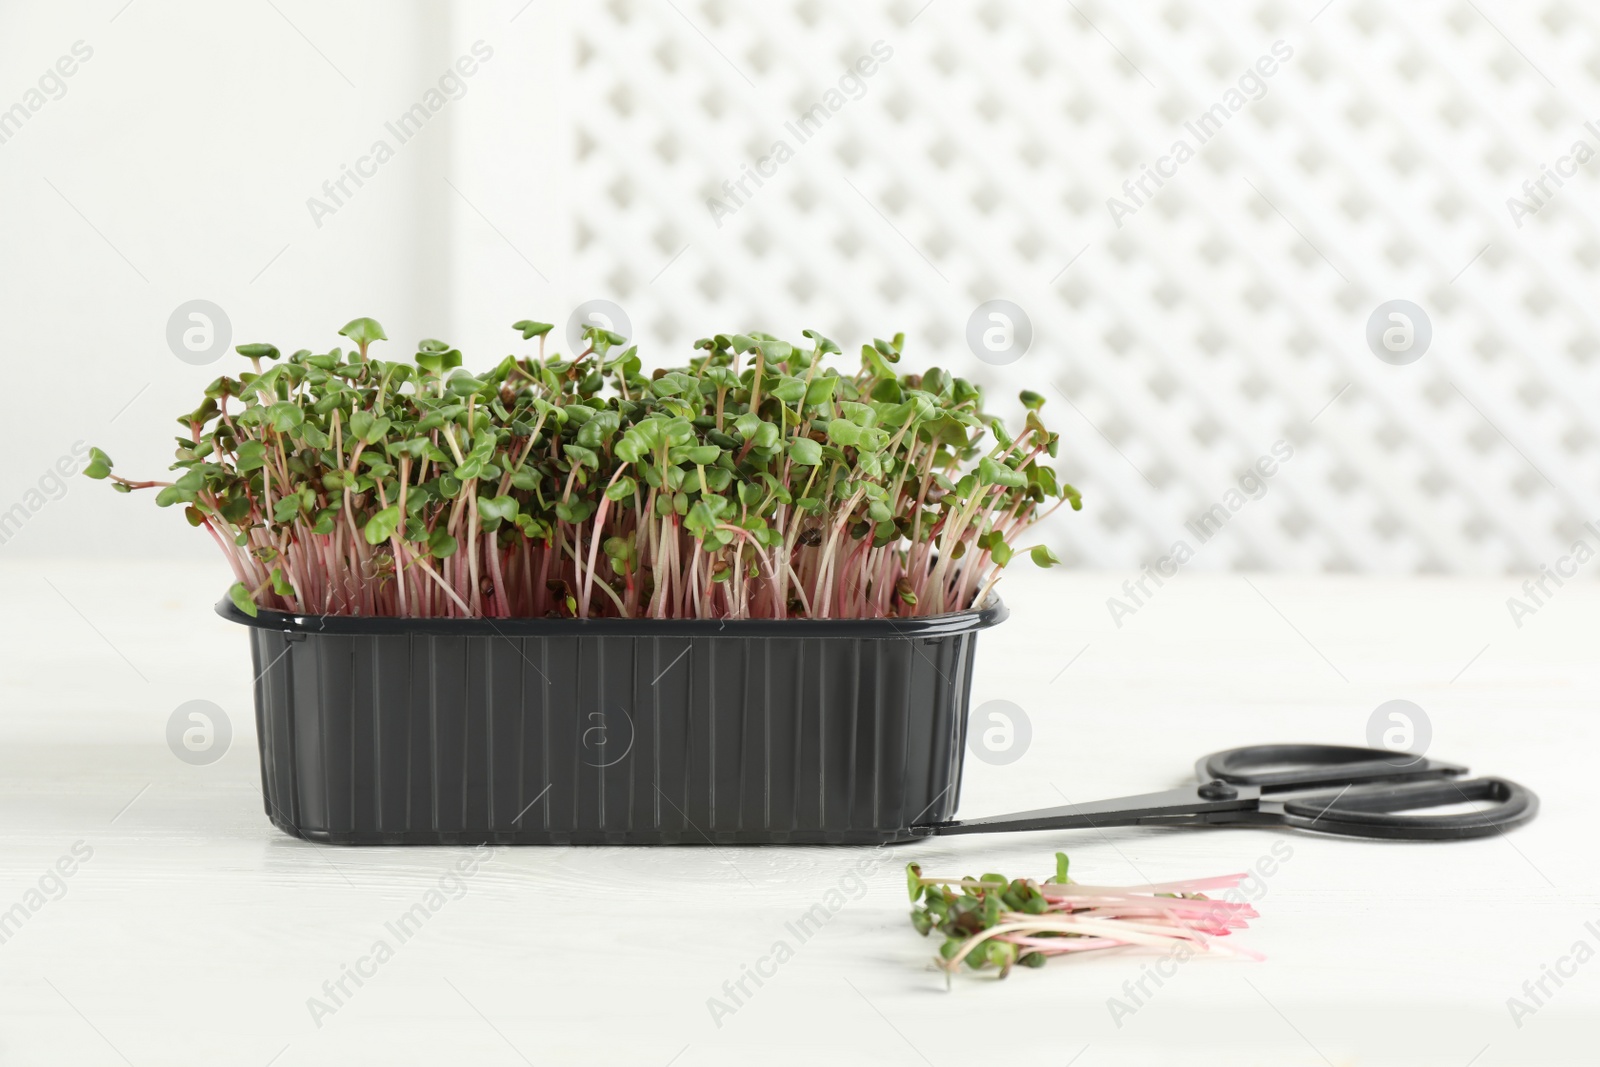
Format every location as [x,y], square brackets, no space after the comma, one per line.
[1227,314]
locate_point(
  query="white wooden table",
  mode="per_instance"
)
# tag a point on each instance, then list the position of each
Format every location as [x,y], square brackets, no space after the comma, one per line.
[195,933]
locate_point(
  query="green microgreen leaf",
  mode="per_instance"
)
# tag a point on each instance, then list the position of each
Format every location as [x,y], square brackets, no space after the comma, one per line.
[753,480]
[382,525]
[241,599]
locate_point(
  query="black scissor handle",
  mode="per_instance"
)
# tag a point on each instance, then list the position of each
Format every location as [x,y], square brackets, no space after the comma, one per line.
[1311,766]
[1382,810]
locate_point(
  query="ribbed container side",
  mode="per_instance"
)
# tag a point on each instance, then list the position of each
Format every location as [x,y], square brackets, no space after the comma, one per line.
[597,736]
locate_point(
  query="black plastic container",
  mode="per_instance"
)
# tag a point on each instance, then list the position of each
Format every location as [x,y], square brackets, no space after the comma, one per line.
[611,731]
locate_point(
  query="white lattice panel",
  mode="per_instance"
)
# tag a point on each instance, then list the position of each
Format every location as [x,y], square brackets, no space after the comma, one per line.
[1226,314]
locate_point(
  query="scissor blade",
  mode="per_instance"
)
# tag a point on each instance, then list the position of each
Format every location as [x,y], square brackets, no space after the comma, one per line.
[1120,811]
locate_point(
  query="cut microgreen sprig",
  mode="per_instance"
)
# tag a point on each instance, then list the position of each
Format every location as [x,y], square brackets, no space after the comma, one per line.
[752,483]
[1001,922]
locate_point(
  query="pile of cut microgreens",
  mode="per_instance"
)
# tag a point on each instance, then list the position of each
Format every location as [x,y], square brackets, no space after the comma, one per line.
[753,483]
[1003,922]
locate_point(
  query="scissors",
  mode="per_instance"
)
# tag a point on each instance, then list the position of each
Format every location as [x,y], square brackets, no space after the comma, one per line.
[1330,789]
